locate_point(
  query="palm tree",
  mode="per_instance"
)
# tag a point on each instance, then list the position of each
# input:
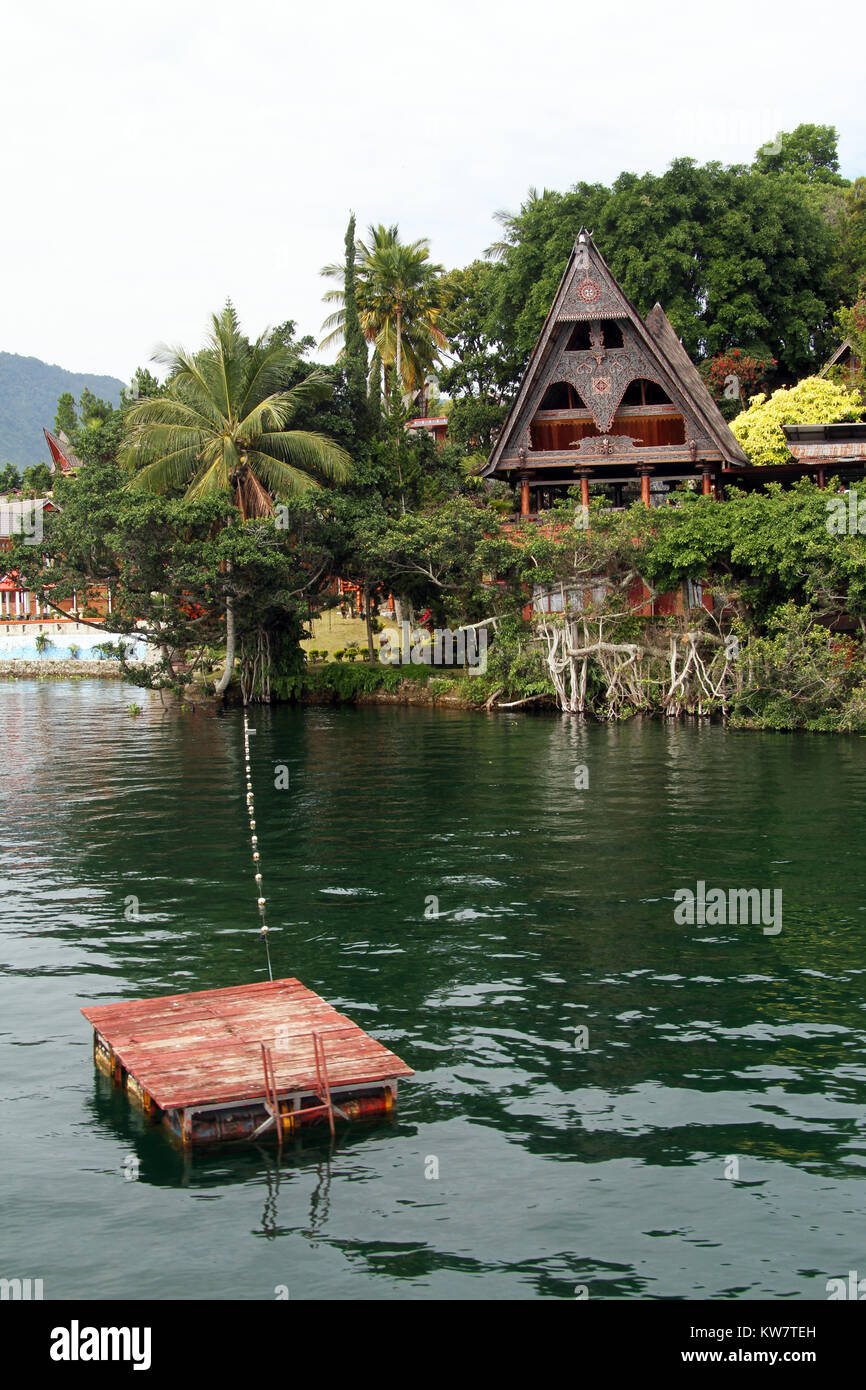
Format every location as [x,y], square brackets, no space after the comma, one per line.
[223,428]
[399,302]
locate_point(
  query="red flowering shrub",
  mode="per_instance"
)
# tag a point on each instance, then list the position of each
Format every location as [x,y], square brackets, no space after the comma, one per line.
[734,375]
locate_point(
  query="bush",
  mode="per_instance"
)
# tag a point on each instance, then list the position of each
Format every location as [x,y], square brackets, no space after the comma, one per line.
[813,401]
[348,682]
[441,685]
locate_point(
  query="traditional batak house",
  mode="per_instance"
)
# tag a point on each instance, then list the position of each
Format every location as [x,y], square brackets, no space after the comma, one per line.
[609,397]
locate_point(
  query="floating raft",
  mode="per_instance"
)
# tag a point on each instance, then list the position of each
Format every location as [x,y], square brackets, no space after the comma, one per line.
[248,1063]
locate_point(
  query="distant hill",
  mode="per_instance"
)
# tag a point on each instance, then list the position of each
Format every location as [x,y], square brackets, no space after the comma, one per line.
[28,399]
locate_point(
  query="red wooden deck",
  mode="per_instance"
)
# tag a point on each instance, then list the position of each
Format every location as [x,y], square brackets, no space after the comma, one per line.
[205,1048]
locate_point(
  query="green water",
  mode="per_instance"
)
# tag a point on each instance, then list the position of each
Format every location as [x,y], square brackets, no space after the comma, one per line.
[557,1166]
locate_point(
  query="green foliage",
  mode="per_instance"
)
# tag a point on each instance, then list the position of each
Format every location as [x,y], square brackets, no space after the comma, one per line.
[799,675]
[483,373]
[354,681]
[515,665]
[36,481]
[444,558]
[851,323]
[847,209]
[171,562]
[66,416]
[10,478]
[441,685]
[763,549]
[807,153]
[815,400]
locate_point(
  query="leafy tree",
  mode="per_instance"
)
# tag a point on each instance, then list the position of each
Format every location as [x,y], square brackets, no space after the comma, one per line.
[438,559]
[29,391]
[813,401]
[10,478]
[736,258]
[848,214]
[93,426]
[172,565]
[66,416]
[481,374]
[764,549]
[224,430]
[808,152]
[36,480]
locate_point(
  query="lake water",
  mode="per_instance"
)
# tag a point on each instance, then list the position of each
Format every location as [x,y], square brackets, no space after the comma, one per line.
[708,1140]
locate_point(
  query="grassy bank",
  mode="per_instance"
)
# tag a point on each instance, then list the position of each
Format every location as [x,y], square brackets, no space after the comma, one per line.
[361,682]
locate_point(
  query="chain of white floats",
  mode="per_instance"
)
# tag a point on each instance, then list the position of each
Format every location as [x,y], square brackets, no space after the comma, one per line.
[254,839]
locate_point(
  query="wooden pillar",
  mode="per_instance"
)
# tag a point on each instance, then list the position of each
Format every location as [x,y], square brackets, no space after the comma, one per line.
[707,483]
[822,479]
[645,487]
[584,490]
[524,495]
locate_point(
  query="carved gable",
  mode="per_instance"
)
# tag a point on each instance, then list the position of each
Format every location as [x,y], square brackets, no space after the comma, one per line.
[595,342]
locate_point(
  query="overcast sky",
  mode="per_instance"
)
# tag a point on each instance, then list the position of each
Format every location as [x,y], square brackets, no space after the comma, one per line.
[159,157]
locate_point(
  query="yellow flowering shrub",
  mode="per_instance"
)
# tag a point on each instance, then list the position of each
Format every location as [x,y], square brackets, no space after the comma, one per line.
[813,401]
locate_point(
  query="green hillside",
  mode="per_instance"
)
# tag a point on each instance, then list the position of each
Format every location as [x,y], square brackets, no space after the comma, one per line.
[28,399]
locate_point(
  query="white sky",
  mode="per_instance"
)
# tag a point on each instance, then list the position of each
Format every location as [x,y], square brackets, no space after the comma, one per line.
[155,158]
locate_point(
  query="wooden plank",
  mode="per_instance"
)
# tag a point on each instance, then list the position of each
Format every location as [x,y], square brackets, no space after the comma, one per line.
[195,1049]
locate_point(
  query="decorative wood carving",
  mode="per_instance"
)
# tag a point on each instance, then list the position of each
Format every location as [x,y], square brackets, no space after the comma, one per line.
[601,376]
[587,299]
[606,446]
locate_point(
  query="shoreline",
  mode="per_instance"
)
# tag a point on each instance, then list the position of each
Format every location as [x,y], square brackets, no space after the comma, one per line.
[407,693]
[46,669]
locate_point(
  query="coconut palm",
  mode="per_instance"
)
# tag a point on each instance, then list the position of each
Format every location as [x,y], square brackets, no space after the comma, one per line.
[223,428]
[399,302]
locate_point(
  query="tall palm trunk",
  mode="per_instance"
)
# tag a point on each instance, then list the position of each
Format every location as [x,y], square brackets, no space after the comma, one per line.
[399,355]
[231,641]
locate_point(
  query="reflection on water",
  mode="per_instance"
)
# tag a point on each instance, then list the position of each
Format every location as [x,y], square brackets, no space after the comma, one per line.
[586,1068]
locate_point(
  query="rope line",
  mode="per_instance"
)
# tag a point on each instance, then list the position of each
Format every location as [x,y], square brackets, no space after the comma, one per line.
[257,872]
